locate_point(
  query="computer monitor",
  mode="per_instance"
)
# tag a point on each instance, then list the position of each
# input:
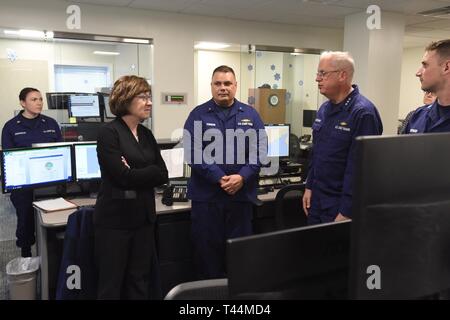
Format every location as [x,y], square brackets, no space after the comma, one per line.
[35,167]
[58,100]
[84,106]
[104,105]
[301,263]
[86,162]
[309,116]
[401,206]
[88,131]
[278,140]
[174,159]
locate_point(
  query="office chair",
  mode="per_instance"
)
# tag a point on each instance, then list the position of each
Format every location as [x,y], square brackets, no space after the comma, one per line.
[280,205]
[294,148]
[213,289]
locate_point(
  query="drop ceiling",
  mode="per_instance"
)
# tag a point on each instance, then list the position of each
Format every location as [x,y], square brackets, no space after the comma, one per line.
[420,30]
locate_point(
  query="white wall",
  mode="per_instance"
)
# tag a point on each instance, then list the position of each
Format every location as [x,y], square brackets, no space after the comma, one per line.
[174,36]
[378,62]
[292,70]
[27,70]
[411,95]
[207,61]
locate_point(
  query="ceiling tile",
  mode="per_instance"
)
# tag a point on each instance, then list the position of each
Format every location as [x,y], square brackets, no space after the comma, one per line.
[163,5]
[115,3]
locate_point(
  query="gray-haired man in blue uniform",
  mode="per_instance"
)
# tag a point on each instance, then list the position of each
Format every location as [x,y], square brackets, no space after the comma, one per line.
[346,115]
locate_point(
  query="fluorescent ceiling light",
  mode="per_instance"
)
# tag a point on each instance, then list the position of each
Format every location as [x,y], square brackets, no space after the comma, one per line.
[295,54]
[211,45]
[30,33]
[130,40]
[107,53]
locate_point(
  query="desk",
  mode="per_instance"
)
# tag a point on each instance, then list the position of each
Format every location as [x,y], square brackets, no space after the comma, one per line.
[172,232]
[51,226]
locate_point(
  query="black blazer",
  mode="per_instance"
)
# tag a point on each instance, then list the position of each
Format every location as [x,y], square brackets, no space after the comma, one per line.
[126,198]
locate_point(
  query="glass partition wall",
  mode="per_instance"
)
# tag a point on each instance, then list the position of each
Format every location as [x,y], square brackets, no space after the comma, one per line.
[280,83]
[66,63]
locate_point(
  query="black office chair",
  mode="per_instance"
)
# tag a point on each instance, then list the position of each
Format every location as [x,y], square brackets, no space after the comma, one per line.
[280,207]
[294,148]
[213,289]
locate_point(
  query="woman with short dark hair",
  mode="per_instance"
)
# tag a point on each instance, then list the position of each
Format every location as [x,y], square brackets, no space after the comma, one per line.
[28,127]
[131,166]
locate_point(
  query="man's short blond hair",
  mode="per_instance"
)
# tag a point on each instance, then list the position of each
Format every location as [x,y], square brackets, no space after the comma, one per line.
[341,61]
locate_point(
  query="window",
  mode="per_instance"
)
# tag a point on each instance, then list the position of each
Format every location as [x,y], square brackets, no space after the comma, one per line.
[81,78]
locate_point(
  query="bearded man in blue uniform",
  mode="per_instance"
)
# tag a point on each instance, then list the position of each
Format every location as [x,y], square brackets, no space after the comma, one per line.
[346,115]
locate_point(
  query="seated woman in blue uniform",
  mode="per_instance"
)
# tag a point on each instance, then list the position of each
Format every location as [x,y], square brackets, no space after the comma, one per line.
[28,127]
[131,166]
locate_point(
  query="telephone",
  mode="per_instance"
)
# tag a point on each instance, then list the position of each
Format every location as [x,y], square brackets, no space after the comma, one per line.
[305,138]
[174,194]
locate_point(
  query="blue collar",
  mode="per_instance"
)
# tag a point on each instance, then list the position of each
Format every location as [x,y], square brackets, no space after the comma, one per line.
[345,104]
[235,108]
[434,113]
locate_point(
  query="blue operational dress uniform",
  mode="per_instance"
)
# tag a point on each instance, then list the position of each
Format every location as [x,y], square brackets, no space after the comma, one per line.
[217,216]
[331,169]
[20,132]
[429,118]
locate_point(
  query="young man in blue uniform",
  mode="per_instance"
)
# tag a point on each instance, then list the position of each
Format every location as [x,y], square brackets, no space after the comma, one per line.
[28,127]
[221,187]
[434,75]
[347,114]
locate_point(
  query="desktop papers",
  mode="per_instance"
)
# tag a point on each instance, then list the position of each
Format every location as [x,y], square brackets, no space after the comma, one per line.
[54,205]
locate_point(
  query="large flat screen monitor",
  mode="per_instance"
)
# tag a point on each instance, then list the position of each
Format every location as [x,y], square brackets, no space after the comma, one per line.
[174,159]
[84,106]
[35,167]
[301,263]
[86,161]
[278,140]
[400,246]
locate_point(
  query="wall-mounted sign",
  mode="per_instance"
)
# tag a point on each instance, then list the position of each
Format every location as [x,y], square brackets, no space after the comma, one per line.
[174,98]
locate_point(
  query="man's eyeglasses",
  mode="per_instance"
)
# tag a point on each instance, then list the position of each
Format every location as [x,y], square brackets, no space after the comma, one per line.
[323,74]
[144,97]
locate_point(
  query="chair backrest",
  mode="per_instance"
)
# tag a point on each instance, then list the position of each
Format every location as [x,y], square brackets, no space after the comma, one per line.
[79,251]
[213,289]
[294,148]
[280,201]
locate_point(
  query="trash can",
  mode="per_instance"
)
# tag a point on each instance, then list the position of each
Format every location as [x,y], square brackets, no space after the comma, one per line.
[21,278]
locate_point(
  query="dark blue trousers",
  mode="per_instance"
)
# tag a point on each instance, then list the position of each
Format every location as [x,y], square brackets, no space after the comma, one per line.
[318,215]
[23,202]
[212,224]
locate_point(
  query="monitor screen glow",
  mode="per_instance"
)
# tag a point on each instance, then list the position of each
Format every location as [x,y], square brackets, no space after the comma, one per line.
[34,167]
[86,162]
[84,106]
[278,140]
[174,159]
